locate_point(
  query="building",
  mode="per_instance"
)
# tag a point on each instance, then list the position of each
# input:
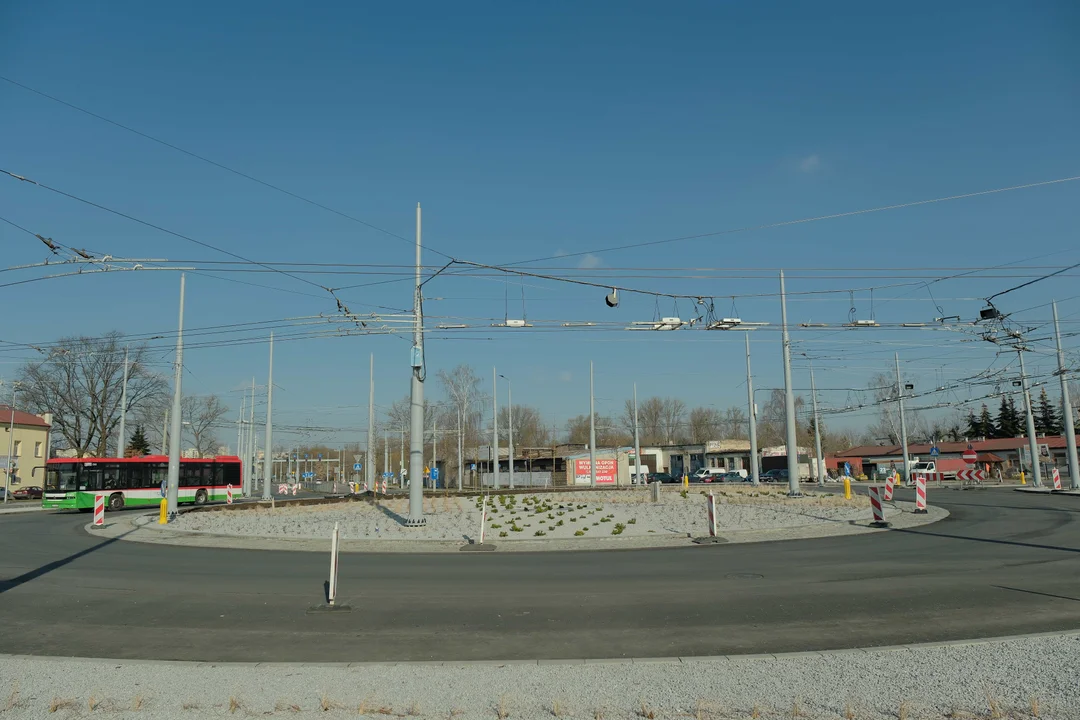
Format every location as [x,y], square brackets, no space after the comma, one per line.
[1004,454]
[27,437]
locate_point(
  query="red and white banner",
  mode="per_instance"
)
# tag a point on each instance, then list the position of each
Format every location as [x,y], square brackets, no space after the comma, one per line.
[971,475]
[888,488]
[99,510]
[875,503]
[228,494]
[605,471]
[710,504]
[920,493]
[1057,479]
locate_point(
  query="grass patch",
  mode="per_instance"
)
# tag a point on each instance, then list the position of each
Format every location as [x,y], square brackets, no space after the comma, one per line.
[504,534]
[579,533]
[617,530]
[632,521]
[539,533]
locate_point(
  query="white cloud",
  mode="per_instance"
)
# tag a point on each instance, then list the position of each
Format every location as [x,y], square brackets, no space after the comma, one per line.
[566,376]
[590,261]
[810,163]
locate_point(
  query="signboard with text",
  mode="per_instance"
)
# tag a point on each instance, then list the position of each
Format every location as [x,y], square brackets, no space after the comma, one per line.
[605,471]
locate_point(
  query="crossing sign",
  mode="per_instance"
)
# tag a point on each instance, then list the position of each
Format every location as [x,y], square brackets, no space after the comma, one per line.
[357,467]
[934,452]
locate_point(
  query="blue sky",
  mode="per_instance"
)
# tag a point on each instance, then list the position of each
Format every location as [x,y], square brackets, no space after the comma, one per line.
[537,130]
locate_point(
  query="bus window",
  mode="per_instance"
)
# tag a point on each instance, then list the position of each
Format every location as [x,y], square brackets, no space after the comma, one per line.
[230,474]
[157,473]
[110,477]
[61,477]
[135,475]
[90,478]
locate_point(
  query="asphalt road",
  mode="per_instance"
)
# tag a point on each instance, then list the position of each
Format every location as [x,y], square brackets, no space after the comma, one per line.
[1003,563]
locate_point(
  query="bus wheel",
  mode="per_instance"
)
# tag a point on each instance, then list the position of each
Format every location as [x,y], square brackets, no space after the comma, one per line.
[116,501]
[200,497]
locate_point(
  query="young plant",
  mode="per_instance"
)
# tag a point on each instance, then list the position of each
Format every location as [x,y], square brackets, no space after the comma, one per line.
[579,533]
[539,533]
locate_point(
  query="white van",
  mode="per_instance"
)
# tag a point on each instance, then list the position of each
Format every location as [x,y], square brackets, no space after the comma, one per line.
[707,474]
[645,472]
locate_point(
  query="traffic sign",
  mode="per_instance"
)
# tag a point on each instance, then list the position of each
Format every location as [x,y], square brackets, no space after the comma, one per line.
[976,475]
[357,458]
[434,473]
[357,467]
[320,456]
[934,452]
[308,475]
[970,456]
[472,467]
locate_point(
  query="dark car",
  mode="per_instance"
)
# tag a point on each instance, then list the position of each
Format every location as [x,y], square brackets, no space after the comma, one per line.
[731,477]
[775,475]
[663,478]
[28,493]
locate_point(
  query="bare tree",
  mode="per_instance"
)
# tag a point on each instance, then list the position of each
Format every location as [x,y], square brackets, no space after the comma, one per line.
[660,420]
[80,382]
[735,424]
[608,432]
[462,388]
[772,420]
[705,425]
[529,427]
[200,413]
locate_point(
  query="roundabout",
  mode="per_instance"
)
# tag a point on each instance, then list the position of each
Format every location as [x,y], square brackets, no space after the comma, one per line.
[1002,563]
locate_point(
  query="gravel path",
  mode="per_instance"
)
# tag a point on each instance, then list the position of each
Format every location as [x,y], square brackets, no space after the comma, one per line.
[556,516]
[1018,678]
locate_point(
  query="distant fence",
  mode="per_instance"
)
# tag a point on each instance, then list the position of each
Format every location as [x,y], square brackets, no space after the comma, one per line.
[521,479]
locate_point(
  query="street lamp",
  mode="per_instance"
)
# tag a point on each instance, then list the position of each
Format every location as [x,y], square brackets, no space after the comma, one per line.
[510,411]
[11,443]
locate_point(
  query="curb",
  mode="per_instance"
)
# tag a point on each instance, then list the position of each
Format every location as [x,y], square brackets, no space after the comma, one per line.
[674,660]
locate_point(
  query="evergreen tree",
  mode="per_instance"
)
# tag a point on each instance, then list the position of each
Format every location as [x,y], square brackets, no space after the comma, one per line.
[1046,418]
[137,446]
[1018,420]
[986,423]
[1008,420]
[973,429]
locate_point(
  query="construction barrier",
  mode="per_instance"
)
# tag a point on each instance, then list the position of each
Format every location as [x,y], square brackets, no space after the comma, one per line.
[875,505]
[228,494]
[331,594]
[710,503]
[294,488]
[483,519]
[888,488]
[283,489]
[1057,479]
[99,510]
[920,494]
[384,486]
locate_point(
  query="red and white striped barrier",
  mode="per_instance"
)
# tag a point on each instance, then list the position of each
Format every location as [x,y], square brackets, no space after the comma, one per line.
[710,503]
[971,475]
[331,593]
[384,486]
[228,494]
[920,494]
[99,510]
[483,519]
[283,489]
[888,488]
[875,504]
[294,487]
[1057,479]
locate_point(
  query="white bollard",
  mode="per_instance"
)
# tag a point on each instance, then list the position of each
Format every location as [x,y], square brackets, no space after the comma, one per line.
[228,494]
[332,594]
[99,510]
[483,519]
[710,502]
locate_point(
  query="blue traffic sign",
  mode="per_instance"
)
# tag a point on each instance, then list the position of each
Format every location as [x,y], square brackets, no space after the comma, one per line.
[434,473]
[934,452]
[473,467]
[320,456]
[164,486]
[308,475]
[357,467]
[306,456]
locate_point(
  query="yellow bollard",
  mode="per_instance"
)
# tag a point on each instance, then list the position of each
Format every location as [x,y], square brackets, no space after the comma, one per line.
[686,481]
[1022,480]
[162,519]
[847,488]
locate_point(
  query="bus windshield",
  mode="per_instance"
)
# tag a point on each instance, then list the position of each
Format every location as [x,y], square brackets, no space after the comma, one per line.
[61,478]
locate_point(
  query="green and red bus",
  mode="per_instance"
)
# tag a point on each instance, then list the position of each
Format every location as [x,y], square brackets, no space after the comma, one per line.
[72,483]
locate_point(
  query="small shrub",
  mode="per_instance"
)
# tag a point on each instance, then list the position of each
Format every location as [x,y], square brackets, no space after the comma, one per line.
[684,494]
[539,533]
[617,530]
[579,533]
[560,513]
[515,528]
[503,534]
[605,519]
[550,516]
[632,521]
[595,524]
[558,524]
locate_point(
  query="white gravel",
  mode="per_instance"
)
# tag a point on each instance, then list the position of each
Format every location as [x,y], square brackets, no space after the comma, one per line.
[1019,678]
[523,517]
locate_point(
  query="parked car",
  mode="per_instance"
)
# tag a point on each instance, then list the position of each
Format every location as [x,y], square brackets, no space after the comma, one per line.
[28,493]
[775,475]
[663,477]
[731,477]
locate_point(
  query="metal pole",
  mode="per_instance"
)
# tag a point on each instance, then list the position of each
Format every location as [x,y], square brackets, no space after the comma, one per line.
[755,467]
[510,412]
[165,434]
[1067,429]
[460,460]
[369,474]
[401,460]
[173,493]
[416,441]
[789,401]
[268,455]
[817,431]
[385,450]
[434,446]
[637,440]
[251,434]
[903,421]
[494,430]
[1033,445]
[11,444]
[592,429]
[240,447]
[123,409]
